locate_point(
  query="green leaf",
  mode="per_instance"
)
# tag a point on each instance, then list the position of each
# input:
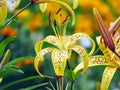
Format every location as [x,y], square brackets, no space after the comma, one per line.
[71,75]
[18,81]
[2,25]
[7,71]
[5,58]
[34,86]
[10,67]
[4,43]
[14,61]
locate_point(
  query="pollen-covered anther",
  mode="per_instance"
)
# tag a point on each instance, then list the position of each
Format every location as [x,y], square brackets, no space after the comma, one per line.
[58,11]
[69,14]
[65,20]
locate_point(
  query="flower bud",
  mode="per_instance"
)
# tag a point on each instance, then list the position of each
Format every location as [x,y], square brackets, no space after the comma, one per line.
[104,31]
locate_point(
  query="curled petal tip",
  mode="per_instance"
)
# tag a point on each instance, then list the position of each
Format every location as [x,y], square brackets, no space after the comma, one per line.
[43,7]
[75,4]
[0,80]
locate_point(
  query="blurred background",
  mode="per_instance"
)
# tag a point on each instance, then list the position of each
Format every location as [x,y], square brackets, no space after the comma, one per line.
[31,26]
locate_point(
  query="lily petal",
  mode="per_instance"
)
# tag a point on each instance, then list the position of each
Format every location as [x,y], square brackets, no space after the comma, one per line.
[0,80]
[53,40]
[107,77]
[84,56]
[94,61]
[38,46]
[39,59]
[43,7]
[117,45]
[66,39]
[59,58]
[108,53]
[103,30]
[3,10]
[78,36]
[75,4]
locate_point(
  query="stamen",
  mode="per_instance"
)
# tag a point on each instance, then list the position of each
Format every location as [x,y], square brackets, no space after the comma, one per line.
[69,14]
[57,1]
[65,20]
[55,24]
[58,11]
[49,21]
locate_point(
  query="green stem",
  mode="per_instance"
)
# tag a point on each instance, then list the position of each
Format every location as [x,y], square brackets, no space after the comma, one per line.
[96,51]
[53,88]
[72,85]
[18,81]
[29,4]
[57,84]
[62,87]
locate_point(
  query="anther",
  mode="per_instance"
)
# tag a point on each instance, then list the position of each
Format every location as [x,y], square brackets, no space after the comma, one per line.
[58,11]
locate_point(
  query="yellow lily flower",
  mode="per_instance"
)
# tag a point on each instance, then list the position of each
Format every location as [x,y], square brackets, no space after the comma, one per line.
[109,58]
[3,10]
[43,6]
[62,50]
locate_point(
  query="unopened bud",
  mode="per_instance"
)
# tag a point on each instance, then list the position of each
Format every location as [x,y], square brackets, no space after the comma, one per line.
[104,31]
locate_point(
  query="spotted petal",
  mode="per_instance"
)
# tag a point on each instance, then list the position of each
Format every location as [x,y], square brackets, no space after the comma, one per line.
[38,46]
[94,61]
[43,7]
[78,36]
[117,44]
[108,53]
[39,59]
[59,58]
[84,56]
[107,77]
[53,40]
[3,10]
